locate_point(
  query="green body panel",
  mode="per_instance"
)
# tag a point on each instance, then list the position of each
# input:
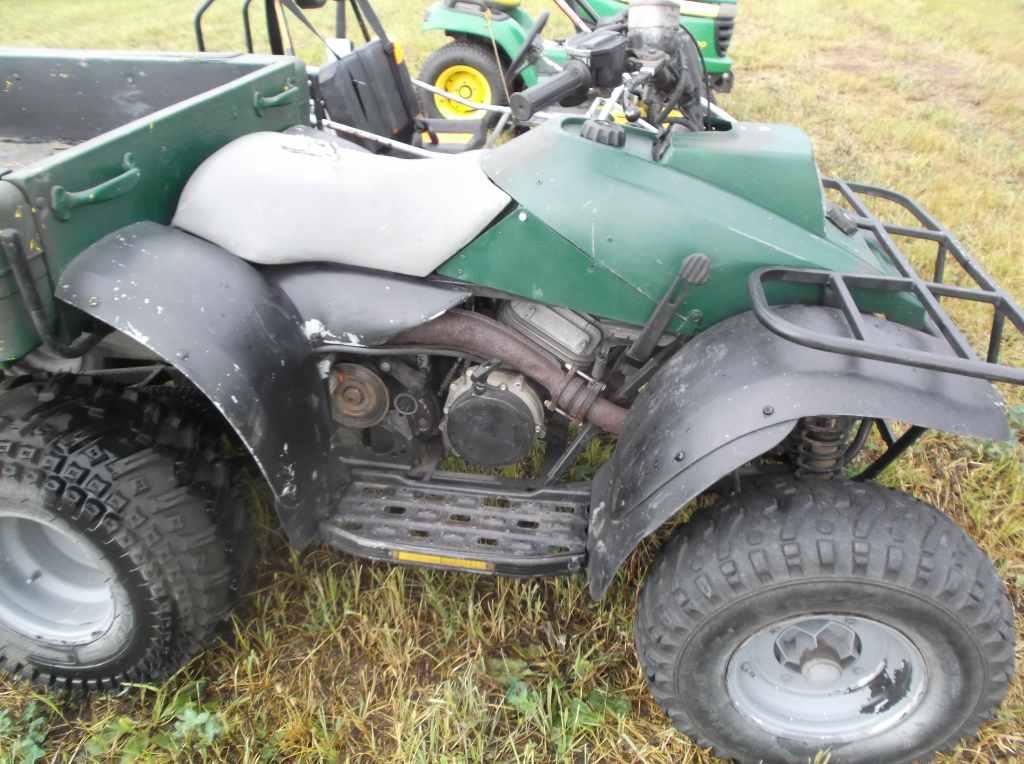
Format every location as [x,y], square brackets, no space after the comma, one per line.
[522,255]
[771,166]
[509,30]
[556,52]
[166,146]
[703,31]
[747,199]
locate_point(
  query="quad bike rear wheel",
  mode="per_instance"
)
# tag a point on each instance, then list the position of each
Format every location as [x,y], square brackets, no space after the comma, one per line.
[117,517]
[467,69]
[803,616]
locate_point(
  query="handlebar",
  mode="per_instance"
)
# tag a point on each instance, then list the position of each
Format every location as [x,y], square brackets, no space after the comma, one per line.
[575,76]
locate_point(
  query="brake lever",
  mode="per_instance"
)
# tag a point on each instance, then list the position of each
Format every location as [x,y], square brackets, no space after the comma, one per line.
[619,96]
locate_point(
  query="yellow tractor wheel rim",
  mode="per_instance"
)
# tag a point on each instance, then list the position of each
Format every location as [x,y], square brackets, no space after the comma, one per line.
[463,81]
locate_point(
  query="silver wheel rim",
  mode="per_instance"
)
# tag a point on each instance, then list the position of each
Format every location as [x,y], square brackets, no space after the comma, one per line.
[55,587]
[827,678]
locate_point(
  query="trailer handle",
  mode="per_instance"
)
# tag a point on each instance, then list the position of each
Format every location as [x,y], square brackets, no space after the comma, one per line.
[63,201]
[262,102]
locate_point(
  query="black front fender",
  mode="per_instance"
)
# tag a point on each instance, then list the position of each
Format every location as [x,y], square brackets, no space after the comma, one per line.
[736,391]
[237,338]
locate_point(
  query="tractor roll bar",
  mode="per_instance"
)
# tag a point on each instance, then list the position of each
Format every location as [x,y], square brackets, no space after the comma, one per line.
[273,26]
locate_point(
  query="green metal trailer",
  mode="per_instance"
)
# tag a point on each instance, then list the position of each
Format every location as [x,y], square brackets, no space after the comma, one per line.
[92,141]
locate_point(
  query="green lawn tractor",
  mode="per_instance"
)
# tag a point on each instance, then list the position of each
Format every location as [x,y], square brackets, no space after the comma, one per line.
[486,36]
[366,92]
[197,284]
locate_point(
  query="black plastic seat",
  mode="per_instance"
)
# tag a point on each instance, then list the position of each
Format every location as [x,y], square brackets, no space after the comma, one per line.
[370,90]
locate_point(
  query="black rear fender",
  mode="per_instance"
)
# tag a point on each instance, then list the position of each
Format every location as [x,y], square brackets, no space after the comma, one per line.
[235,336]
[735,392]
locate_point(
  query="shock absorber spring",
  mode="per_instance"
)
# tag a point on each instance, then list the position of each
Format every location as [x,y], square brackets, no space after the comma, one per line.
[818,446]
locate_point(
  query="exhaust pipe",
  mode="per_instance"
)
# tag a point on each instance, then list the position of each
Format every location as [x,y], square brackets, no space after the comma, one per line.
[485,337]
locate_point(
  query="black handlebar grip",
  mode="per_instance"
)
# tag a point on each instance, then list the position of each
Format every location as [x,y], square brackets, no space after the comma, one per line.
[576,75]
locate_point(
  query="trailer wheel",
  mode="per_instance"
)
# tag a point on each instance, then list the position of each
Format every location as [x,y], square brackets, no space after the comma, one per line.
[467,69]
[813,615]
[117,522]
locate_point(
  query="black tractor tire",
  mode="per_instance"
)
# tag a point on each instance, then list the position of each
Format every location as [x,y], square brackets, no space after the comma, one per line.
[749,596]
[122,535]
[476,55]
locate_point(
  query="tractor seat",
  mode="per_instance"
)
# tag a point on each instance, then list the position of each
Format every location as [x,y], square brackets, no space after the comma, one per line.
[275,199]
[494,5]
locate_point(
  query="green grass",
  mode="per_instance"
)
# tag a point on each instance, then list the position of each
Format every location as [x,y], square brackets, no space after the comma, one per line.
[336,660]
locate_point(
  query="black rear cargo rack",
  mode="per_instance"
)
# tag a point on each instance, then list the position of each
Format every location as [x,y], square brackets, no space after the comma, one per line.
[836,291]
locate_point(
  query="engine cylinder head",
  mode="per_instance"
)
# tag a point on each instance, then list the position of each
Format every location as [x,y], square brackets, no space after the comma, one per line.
[645,15]
[653,27]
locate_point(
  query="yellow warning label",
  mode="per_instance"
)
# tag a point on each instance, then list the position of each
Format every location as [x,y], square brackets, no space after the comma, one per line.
[448,138]
[447,562]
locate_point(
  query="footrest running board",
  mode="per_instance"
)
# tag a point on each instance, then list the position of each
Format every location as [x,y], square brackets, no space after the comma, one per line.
[462,525]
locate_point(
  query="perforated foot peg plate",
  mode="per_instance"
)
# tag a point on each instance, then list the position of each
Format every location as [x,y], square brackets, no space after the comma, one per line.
[477,527]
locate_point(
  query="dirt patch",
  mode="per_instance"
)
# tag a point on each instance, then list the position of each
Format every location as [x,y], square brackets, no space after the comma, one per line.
[945,82]
[853,59]
[922,79]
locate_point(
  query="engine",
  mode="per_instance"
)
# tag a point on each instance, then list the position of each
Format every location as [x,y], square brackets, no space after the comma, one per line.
[565,334]
[653,26]
[651,65]
[492,417]
[388,410]
[671,56]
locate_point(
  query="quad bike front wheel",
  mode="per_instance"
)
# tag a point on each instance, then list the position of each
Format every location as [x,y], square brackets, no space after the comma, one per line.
[468,70]
[806,616]
[116,516]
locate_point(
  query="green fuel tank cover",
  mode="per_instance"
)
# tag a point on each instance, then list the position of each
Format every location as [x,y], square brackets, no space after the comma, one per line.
[771,166]
[604,230]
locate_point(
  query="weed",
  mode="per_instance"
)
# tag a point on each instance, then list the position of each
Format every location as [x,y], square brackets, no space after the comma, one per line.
[23,737]
[1013,447]
[178,724]
[560,710]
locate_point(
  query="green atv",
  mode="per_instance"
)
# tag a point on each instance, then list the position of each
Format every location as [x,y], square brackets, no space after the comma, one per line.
[487,35]
[191,272]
